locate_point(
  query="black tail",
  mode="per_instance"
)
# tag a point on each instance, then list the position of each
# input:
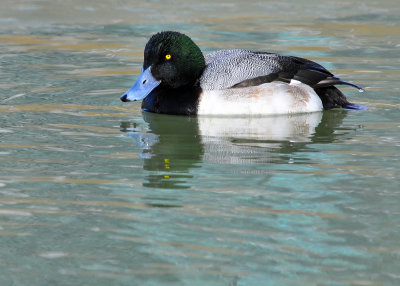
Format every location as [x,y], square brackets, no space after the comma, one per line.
[332,97]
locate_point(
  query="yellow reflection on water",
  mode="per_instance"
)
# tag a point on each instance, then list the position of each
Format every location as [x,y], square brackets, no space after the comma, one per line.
[56,43]
[85,127]
[77,203]
[62,179]
[13,233]
[114,111]
[118,156]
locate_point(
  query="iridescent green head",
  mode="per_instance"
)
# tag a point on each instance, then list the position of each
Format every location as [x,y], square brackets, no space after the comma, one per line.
[174,59]
[171,60]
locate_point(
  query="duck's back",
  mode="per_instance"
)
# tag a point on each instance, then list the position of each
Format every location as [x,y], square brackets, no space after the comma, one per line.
[227,68]
[240,68]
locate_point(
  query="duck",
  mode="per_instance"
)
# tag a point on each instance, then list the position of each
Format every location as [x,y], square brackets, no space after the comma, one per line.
[177,79]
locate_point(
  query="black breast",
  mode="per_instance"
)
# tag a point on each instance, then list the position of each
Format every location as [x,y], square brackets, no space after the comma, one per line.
[179,101]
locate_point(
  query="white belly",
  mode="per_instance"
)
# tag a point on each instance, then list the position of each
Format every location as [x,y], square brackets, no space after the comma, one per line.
[265,99]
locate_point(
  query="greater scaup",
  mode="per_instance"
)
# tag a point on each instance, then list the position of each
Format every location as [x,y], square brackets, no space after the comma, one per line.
[177,79]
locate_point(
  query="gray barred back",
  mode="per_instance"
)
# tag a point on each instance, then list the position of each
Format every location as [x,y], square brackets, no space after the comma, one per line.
[226,68]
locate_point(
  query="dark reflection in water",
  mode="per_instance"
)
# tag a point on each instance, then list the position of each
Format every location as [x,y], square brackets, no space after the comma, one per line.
[172,145]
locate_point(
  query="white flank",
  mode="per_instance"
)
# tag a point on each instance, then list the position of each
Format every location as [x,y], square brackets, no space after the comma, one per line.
[265,99]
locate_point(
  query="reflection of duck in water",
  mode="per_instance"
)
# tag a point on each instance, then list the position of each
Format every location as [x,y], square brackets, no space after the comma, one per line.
[170,147]
[173,145]
[178,79]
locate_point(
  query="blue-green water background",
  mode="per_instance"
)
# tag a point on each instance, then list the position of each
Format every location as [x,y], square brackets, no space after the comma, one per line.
[95,192]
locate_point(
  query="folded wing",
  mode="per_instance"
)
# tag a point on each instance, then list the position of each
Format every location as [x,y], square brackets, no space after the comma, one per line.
[241,68]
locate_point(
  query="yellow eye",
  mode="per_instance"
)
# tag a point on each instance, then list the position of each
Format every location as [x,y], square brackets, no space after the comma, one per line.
[168,57]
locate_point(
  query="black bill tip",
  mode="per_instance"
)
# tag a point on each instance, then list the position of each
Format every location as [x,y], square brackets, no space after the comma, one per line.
[124,98]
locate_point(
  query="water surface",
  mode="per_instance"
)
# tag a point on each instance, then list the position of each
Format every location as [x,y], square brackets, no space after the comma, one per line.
[95,192]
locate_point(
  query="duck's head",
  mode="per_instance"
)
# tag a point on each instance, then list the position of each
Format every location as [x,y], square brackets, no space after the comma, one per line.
[172,60]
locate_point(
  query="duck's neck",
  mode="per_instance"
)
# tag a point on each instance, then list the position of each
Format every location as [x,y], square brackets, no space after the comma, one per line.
[180,101]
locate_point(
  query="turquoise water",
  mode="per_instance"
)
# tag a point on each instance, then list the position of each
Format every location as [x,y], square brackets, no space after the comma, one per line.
[95,192]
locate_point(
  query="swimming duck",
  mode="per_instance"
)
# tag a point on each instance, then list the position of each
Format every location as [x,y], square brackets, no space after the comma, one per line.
[177,79]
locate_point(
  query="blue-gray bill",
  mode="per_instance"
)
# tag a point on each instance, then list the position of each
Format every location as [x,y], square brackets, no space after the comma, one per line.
[142,87]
